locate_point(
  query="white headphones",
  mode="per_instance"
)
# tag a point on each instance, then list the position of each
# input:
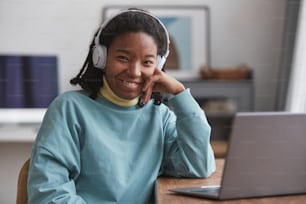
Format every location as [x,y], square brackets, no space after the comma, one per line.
[99,52]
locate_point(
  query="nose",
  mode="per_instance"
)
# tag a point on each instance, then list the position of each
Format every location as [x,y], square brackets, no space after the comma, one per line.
[135,69]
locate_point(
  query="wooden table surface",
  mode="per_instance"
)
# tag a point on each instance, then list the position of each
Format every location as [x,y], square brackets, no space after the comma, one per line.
[164,196]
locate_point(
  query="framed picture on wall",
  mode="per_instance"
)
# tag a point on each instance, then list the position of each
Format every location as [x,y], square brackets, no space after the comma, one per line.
[189,33]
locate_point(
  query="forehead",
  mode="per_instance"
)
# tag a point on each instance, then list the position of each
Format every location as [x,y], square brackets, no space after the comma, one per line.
[135,41]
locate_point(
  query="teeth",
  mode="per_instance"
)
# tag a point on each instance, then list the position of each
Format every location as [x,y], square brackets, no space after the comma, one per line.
[130,83]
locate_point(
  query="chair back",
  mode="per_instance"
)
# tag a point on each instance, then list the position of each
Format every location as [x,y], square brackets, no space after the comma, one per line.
[22,193]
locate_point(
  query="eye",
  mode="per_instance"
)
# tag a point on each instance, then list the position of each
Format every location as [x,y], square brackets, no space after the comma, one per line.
[122,58]
[148,62]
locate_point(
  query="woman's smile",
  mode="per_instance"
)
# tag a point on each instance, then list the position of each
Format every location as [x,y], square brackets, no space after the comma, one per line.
[130,84]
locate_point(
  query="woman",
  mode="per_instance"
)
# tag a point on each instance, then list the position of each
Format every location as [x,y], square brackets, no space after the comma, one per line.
[109,142]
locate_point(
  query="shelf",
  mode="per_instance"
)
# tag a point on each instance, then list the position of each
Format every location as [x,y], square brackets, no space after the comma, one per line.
[20,125]
[18,133]
[21,115]
[239,92]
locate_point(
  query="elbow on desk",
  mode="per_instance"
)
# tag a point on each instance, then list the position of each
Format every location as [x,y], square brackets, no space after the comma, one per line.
[208,169]
[208,166]
[203,169]
[209,172]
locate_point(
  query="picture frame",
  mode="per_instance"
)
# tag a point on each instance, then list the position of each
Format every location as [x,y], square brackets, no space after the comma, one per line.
[189,32]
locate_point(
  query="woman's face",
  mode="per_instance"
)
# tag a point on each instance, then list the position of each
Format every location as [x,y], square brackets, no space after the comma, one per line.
[131,58]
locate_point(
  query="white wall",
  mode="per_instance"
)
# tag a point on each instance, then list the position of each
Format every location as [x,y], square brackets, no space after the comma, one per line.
[243,31]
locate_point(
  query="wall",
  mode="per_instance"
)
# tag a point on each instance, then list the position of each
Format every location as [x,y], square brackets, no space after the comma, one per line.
[242,31]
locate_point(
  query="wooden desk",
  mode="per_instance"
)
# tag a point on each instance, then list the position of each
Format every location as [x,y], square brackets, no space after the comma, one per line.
[166,197]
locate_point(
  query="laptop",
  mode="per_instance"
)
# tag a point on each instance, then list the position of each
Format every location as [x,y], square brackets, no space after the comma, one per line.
[266,157]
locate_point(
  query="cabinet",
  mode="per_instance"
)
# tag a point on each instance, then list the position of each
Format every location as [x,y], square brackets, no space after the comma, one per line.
[221,99]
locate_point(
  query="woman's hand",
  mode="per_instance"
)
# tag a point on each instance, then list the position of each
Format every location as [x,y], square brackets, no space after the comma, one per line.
[161,82]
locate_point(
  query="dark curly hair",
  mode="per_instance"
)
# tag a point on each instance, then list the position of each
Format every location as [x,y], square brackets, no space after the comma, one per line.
[135,20]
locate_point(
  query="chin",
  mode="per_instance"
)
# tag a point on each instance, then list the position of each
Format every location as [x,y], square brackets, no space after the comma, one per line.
[128,96]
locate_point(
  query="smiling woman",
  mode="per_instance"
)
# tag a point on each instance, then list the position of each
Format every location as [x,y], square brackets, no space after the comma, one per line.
[64,29]
[109,142]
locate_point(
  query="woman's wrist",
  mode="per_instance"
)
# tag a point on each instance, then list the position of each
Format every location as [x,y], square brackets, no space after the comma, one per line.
[179,89]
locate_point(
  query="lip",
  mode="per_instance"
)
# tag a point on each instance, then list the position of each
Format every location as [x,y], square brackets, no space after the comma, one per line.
[130,84]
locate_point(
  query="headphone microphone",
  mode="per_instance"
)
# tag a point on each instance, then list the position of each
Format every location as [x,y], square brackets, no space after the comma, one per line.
[99,52]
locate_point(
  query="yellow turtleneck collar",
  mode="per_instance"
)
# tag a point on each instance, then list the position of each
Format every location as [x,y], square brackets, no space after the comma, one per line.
[107,93]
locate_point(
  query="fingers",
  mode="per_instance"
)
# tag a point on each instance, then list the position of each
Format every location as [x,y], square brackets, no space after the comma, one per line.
[160,82]
[148,88]
[150,81]
[147,95]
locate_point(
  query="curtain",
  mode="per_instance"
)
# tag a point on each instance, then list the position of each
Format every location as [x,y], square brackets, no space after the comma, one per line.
[290,28]
[28,81]
[296,100]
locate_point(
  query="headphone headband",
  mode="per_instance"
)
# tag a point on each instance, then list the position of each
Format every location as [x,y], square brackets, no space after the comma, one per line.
[100,51]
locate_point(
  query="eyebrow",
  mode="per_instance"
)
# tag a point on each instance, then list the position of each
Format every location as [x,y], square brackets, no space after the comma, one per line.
[127,52]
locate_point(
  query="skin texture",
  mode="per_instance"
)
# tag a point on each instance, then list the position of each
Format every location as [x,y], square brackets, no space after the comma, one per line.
[131,68]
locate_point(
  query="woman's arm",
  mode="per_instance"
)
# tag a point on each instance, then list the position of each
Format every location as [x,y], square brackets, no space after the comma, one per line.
[188,152]
[55,162]
[187,146]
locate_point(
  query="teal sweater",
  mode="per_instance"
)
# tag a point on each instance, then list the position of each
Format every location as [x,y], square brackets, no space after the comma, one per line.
[93,151]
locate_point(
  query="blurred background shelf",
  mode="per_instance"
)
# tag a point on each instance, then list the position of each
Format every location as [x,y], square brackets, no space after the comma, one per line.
[20,124]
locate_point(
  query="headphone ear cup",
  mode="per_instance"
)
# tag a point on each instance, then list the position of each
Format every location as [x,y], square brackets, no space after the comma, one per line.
[161,60]
[99,56]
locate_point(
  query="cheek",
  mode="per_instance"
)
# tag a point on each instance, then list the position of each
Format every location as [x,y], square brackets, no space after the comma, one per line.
[148,72]
[113,68]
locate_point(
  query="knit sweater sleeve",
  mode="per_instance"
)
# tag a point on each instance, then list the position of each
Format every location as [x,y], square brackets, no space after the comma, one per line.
[55,162]
[187,151]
